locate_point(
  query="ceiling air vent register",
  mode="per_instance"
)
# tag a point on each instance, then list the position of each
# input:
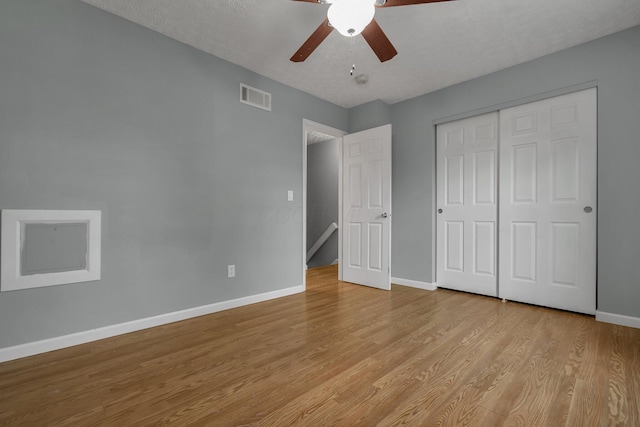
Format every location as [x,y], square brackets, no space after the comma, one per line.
[255,97]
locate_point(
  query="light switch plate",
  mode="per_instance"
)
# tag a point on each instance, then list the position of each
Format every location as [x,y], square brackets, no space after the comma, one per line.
[290,195]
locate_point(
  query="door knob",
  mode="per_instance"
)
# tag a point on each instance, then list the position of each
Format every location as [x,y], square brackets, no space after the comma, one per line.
[439,210]
[384,214]
[588,209]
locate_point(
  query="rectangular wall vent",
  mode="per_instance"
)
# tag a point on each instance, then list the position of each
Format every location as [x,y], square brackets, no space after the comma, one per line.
[255,97]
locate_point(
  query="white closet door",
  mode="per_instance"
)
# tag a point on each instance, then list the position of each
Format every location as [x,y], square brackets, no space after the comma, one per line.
[548,202]
[467,197]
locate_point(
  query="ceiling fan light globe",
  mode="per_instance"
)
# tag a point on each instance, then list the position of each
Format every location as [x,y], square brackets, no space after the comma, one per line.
[350,17]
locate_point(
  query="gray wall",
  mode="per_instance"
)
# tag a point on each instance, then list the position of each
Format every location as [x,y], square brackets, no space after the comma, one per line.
[99,113]
[369,115]
[322,199]
[613,64]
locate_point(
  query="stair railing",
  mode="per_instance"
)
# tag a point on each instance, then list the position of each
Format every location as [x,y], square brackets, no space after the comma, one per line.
[321,240]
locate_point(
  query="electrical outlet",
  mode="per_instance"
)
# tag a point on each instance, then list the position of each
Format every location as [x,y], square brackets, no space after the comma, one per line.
[290,195]
[231,270]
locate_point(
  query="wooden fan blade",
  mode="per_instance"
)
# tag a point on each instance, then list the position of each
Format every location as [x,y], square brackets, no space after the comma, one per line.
[391,3]
[313,41]
[379,42]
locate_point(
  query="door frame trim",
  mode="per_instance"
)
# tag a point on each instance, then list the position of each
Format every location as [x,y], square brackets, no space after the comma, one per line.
[516,102]
[307,126]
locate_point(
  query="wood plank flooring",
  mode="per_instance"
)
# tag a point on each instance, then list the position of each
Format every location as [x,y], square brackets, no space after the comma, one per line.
[344,355]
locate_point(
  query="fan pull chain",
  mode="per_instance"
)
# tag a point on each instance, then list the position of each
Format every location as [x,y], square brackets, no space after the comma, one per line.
[353,62]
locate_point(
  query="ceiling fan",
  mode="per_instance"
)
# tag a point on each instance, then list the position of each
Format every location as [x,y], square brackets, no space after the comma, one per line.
[353,17]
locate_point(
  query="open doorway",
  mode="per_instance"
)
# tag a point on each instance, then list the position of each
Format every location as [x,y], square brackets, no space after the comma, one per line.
[323,163]
[322,193]
[364,199]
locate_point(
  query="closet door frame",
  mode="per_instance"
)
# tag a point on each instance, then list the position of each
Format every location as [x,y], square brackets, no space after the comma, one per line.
[476,112]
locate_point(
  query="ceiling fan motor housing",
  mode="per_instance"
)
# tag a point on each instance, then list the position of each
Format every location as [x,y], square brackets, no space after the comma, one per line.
[350,17]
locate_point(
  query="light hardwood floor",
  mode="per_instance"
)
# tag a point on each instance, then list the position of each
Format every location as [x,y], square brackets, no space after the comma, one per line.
[345,355]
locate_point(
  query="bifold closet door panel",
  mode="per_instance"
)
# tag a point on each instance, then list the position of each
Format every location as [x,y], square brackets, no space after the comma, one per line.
[547,207]
[466,202]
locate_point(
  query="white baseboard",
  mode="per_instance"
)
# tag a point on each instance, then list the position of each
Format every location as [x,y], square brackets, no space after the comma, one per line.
[414,284]
[618,319]
[37,347]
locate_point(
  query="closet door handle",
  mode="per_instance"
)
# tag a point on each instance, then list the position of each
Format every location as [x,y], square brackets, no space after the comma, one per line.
[588,209]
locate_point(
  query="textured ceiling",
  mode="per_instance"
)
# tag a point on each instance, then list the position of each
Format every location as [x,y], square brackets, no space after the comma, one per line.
[313,137]
[438,44]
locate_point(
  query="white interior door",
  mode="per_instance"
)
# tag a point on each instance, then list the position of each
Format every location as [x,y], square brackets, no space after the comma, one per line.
[548,202]
[366,221]
[467,197]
